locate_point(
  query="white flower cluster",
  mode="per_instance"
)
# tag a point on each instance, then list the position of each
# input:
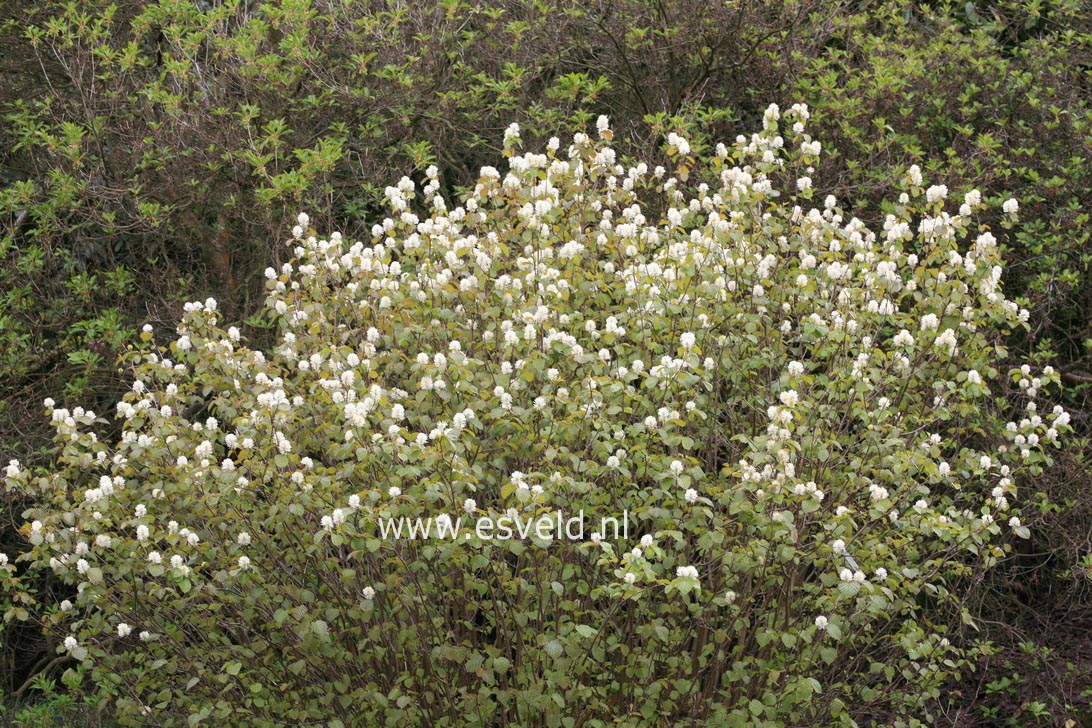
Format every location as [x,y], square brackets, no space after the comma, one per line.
[687,572]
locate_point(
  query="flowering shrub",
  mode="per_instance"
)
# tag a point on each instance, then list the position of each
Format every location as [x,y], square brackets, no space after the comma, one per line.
[794,411]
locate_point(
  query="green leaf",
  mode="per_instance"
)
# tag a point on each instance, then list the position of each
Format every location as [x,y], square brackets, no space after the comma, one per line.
[473,663]
[849,588]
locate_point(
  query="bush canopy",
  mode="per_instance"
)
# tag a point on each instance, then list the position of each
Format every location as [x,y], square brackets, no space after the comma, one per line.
[797,418]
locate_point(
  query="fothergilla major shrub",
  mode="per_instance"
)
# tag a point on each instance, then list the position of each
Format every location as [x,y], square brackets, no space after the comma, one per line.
[794,419]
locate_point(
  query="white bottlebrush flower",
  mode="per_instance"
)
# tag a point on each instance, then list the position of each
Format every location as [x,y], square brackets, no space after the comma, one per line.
[948,340]
[124,630]
[681,144]
[687,340]
[368,593]
[676,467]
[821,622]
[1011,206]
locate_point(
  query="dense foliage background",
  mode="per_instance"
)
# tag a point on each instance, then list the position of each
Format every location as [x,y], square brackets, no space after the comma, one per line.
[158,152]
